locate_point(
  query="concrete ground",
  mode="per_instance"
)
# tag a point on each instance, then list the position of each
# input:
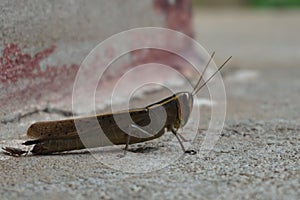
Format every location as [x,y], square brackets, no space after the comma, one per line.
[256,156]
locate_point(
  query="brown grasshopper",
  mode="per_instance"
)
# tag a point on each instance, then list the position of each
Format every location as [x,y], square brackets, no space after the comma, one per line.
[58,136]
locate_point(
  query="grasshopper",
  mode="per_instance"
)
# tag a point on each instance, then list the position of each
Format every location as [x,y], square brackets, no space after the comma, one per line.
[58,136]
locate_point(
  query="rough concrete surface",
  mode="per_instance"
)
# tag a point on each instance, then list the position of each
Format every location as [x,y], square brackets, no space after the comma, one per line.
[257,154]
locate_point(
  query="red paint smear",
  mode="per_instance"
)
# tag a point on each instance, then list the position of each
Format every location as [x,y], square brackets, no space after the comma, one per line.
[163,57]
[16,65]
[178,17]
[178,14]
[27,83]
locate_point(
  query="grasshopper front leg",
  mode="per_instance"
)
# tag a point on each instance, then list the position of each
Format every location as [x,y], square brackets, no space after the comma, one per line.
[191,152]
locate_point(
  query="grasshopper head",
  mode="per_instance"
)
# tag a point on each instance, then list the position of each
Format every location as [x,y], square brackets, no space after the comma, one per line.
[185,106]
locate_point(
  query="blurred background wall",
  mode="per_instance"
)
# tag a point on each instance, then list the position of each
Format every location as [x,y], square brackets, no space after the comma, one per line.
[257,33]
[254,3]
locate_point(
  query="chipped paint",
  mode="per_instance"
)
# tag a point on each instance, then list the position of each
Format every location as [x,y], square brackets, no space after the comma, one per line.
[23,81]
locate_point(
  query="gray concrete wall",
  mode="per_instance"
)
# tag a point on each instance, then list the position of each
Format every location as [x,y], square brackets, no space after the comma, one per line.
[42,44]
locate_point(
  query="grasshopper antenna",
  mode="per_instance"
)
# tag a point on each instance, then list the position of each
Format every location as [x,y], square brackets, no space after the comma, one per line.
[195,92]
[211,57]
